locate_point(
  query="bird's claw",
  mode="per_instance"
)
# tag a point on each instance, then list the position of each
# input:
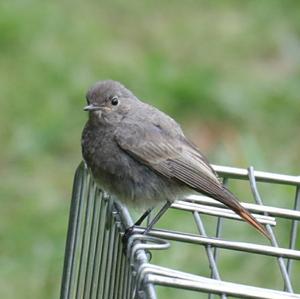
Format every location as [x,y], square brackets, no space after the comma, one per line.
[127,234]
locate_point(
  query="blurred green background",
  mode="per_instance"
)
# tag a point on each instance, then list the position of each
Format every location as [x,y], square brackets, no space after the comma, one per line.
[228,71]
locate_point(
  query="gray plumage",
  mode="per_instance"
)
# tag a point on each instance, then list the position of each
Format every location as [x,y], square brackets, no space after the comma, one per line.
[141,155]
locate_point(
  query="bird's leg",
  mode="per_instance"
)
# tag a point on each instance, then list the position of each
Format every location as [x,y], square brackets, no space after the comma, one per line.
[142,218]
[157,217]
[128,232]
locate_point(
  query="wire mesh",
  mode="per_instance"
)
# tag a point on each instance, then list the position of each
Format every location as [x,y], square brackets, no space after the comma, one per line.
[97,265]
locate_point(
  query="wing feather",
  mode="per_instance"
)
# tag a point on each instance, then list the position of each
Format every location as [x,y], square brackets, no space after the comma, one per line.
[173,156]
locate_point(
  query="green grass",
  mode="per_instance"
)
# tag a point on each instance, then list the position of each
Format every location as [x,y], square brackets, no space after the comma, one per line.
[228,71]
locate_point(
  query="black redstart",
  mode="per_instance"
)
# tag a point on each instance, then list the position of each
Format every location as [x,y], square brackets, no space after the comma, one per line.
[140,154]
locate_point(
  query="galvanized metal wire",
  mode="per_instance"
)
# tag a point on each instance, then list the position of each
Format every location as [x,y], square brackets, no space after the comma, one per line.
[98,265]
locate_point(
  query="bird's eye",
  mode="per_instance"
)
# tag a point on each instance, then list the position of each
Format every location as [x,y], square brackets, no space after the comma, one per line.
[114,101]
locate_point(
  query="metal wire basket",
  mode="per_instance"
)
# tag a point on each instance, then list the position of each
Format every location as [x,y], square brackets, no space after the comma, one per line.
[96,266]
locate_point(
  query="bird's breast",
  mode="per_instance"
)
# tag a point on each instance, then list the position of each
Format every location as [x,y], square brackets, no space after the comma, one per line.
[122,175]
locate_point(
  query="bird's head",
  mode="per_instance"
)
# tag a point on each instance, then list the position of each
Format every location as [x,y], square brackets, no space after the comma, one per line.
[108,101]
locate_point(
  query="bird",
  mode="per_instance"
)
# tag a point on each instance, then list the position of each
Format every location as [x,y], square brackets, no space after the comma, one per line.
[140,155]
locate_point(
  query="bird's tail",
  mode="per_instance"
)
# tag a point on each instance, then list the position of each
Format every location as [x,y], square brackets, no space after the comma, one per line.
[229,200]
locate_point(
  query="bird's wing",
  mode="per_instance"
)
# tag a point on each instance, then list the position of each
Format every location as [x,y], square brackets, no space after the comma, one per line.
[173,156]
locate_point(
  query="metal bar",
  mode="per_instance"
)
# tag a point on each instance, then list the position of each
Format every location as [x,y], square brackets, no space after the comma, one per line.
[102,274]
[218,232]
[220,212]
[286,278]
[82,258]
[273,211]
[260,176]
[72,235]
[91,242]
[117,272]
[218,235]
[126,222]
[122,277]
[129,284]
[219,224]
[95,266]
[213,266]
[294,230]
[234,245]
[171,277]
[98,241]
[218,287]
[108,258]
[112,270]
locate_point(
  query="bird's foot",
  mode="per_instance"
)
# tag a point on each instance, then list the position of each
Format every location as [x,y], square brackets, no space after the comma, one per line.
[127,234]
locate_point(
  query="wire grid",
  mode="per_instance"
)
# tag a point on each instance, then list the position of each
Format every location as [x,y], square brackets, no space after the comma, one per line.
[96,265]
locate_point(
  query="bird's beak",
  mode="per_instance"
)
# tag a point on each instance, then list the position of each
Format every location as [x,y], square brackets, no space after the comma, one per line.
[91,107]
